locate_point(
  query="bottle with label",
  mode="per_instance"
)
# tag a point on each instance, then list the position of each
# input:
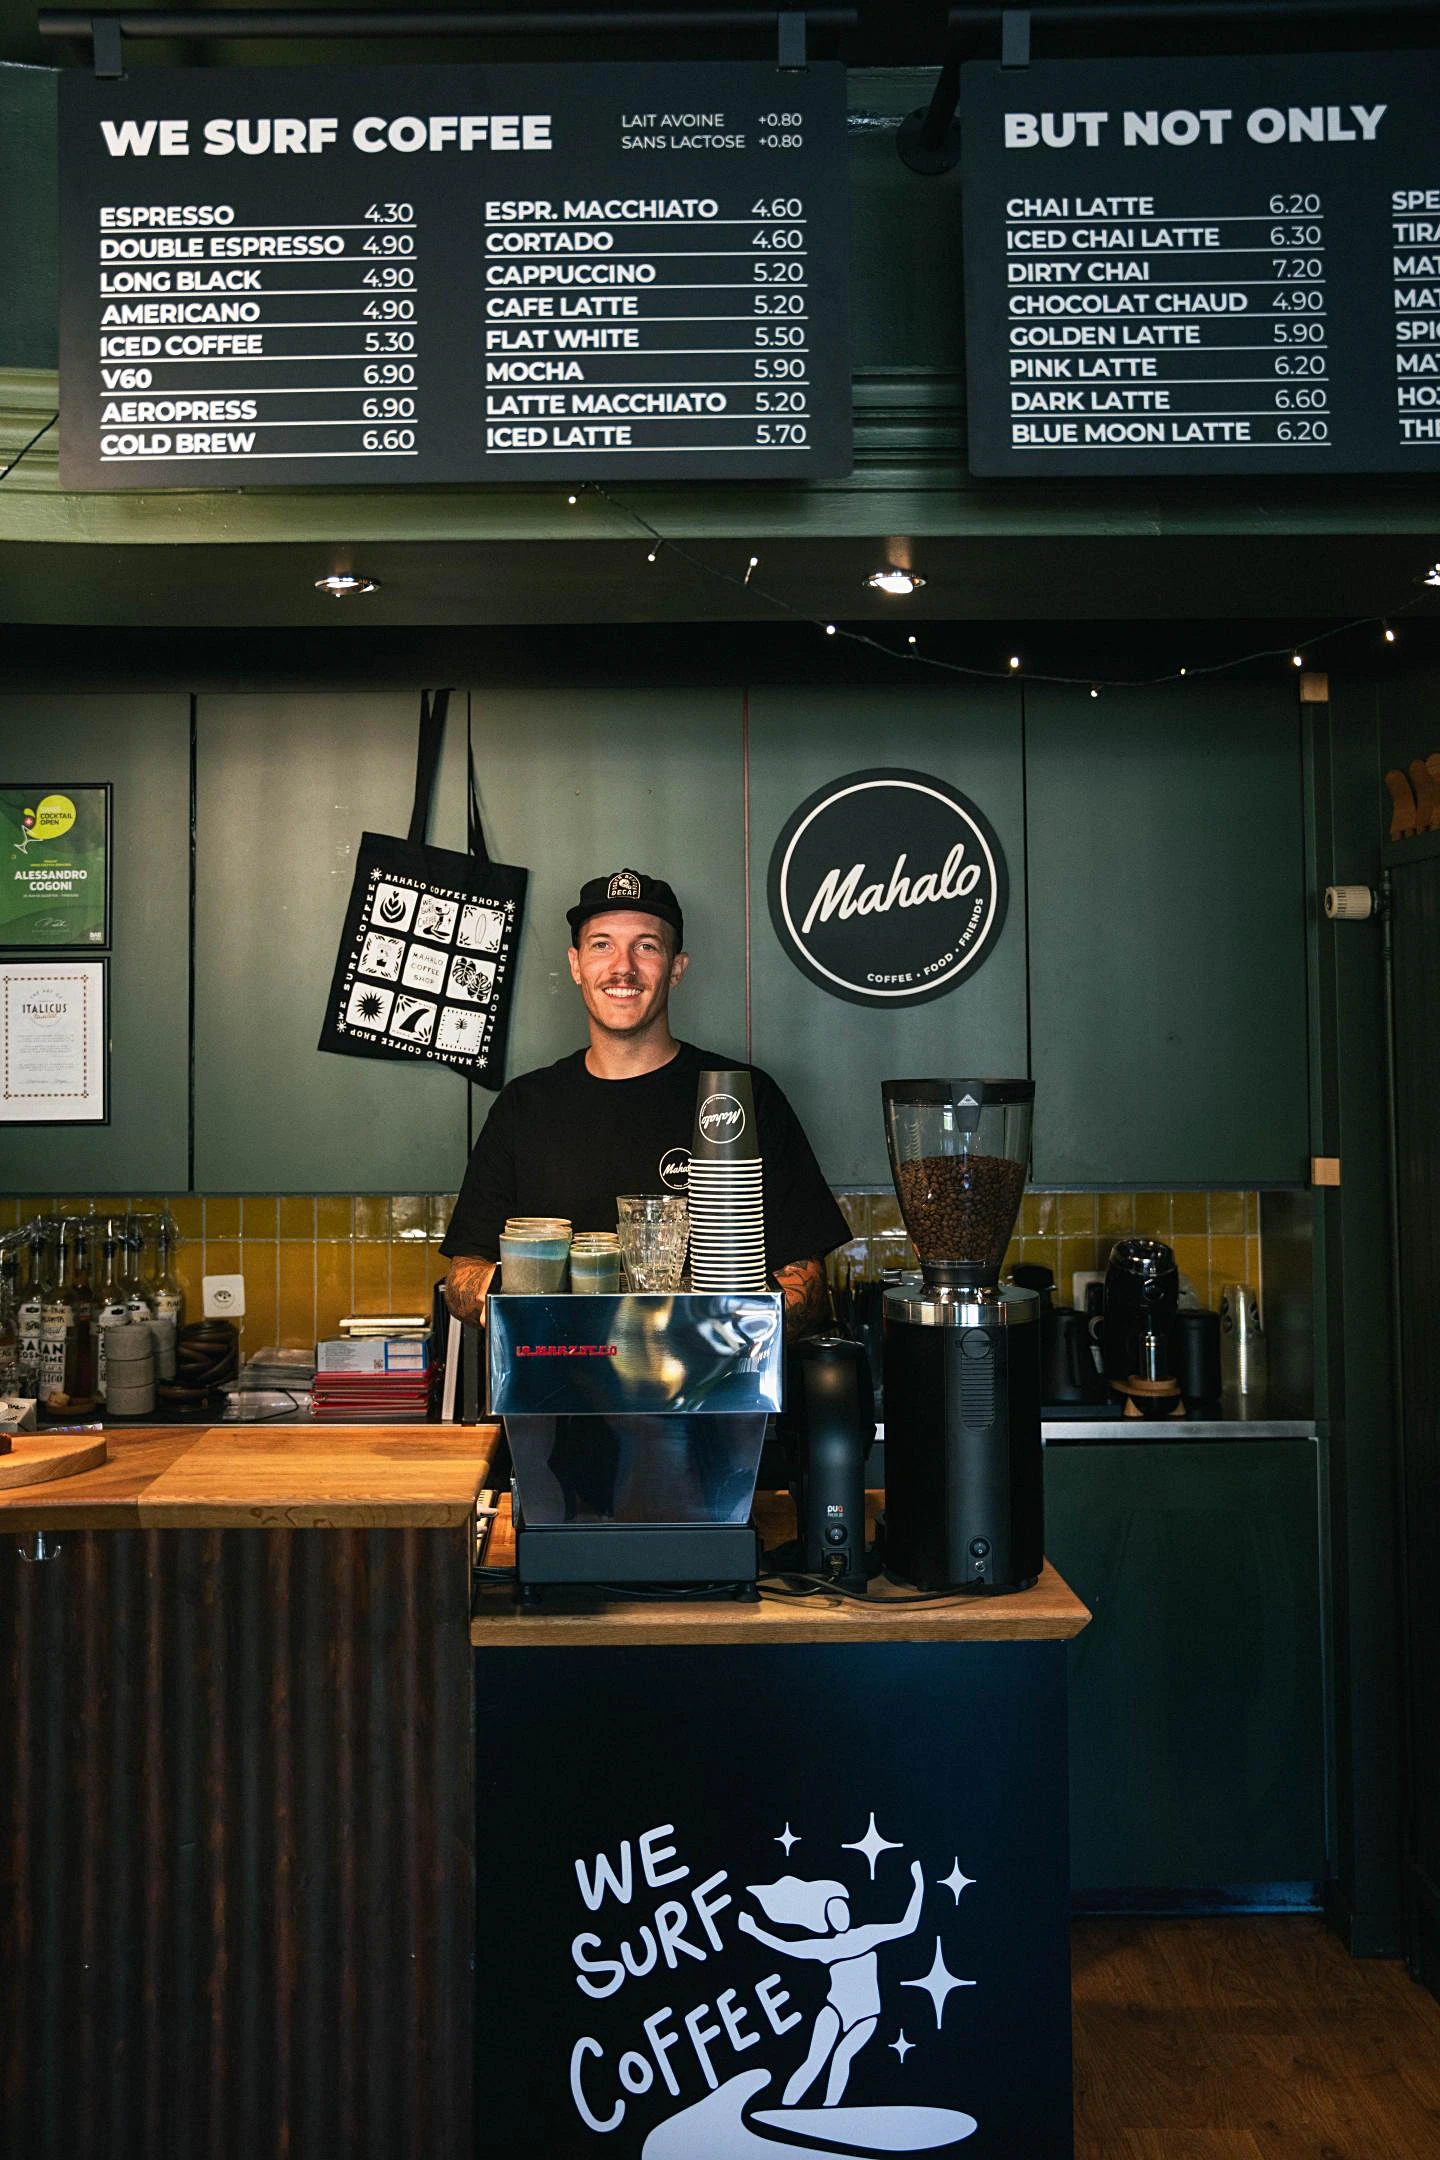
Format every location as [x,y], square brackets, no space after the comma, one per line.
[136,1288]
[67,1330]
[110,1309]
[167,1300]
[37,1287]
[9,1330]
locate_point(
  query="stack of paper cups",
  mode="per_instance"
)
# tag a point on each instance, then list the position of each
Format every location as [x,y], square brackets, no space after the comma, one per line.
[727,1199]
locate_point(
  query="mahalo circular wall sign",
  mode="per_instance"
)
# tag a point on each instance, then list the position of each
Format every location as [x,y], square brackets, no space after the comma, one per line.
[888,887]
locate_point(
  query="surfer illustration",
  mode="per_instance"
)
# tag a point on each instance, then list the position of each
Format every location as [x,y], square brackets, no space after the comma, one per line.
[852,2006]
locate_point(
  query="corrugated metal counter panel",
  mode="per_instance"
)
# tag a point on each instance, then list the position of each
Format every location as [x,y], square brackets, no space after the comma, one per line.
[237,1860]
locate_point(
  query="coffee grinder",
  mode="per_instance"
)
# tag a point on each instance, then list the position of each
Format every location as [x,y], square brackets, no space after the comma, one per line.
[964,1504]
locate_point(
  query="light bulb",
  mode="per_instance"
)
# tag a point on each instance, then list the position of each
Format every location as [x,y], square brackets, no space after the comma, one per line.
[829,629]
[1389,634]
[1014,660]
[1296,660]
[899,583]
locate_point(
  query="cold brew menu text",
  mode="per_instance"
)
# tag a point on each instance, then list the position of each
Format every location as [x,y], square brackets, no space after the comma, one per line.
[1199,267]
[319,276]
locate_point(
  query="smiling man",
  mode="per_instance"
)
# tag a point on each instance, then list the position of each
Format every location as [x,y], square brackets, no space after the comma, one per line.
[617,1116]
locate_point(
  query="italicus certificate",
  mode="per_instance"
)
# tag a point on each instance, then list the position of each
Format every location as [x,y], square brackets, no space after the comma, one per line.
[52,1042]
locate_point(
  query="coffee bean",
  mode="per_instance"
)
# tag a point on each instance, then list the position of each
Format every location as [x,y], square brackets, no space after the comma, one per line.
[961,1207]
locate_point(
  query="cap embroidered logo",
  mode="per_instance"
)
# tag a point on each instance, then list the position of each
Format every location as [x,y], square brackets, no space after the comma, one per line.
[623,886]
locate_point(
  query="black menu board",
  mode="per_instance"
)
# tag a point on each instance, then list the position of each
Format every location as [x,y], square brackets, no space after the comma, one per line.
[1204,266]
[400,275]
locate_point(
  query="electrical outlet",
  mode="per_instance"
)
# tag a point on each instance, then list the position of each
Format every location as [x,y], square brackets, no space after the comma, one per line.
[223,1296]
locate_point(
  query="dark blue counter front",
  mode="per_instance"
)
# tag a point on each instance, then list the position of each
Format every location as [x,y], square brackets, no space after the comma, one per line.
[773,1896]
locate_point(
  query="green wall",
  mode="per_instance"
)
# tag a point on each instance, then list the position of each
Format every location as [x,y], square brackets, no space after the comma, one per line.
[1150,972]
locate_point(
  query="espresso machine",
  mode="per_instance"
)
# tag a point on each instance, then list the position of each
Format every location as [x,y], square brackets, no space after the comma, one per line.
[964,1502]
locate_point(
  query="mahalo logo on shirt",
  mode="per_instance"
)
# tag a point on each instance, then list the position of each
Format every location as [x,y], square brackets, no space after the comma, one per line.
[887,887]
[675,1169]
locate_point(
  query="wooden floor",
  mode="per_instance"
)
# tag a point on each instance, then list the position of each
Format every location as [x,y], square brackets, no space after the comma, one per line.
[1248,2039]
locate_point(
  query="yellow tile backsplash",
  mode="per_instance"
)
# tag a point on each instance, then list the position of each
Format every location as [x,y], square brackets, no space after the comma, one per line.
[1215,1235]
[307,1261]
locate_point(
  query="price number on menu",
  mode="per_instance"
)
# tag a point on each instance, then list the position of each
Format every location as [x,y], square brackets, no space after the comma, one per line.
[781,131]
[390,213]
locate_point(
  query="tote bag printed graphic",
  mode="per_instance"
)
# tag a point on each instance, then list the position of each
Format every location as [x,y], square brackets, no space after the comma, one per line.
[427,958]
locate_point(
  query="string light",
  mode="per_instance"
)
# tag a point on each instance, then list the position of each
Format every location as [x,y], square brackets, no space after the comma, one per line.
[912,639]
[777,601]
[572,500]
[653,554]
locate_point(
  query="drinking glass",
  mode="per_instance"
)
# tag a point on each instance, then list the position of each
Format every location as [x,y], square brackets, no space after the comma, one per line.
[654,1229]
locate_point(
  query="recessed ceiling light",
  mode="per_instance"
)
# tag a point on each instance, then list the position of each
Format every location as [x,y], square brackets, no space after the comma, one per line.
[341,583]
[894,580]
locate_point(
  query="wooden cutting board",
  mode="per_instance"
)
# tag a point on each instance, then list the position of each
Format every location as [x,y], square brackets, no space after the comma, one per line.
[35,1457]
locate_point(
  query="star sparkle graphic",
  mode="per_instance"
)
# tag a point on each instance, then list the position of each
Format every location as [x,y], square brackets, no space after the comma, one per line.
[872,1845]
[939,1983]
[954,1881]
[787,1838]
[902,2047]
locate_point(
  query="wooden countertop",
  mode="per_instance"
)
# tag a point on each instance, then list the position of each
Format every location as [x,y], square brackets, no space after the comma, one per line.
[267,1477]
[1050,1612]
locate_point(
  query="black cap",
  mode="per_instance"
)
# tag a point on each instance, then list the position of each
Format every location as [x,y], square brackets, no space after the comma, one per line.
[632,890]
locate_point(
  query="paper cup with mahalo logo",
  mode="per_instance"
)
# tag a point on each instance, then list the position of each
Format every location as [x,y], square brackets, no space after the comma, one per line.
[727,1200]
[724,1119]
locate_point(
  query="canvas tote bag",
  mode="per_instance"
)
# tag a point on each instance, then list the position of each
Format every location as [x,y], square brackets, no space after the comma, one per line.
[427,961]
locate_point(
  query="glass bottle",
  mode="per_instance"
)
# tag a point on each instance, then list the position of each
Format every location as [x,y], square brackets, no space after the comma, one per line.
[38,1285]
[67,1334]
[137,1290]
[167,1300]
[110,1308]
[9,1330]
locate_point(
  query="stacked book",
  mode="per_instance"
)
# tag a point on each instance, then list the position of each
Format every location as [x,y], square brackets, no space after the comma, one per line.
[377,1371]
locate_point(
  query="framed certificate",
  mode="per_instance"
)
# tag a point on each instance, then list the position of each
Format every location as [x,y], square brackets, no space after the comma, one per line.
[54,864]
[54,1042]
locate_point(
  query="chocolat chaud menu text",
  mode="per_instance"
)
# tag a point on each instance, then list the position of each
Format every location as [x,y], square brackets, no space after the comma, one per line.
[1208,266]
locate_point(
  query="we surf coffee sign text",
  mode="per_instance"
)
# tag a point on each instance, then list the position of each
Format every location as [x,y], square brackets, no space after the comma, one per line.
[888,887]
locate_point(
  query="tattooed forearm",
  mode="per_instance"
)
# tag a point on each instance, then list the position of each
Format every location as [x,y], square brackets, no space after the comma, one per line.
[806,1294]
[466,1286]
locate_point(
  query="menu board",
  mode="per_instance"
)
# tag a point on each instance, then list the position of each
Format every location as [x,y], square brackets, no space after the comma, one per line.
[1204,266]
[387,276]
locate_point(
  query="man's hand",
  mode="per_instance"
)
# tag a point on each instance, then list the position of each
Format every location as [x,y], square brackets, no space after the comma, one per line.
[806,1293]
[467,1285]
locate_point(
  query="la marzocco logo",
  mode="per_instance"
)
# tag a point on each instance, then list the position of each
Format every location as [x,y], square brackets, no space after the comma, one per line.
[887,887]
[567,1349]
[721,1118]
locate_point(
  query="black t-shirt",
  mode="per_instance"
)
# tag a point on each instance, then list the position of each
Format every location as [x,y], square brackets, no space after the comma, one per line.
[560,1142]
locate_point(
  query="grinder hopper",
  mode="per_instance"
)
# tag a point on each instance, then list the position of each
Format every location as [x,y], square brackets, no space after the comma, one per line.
[959,1150]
